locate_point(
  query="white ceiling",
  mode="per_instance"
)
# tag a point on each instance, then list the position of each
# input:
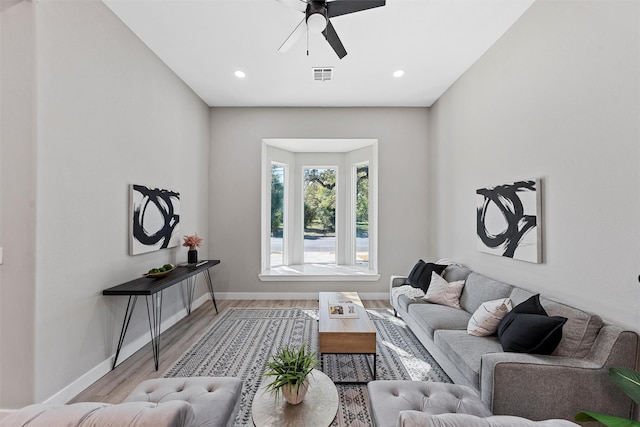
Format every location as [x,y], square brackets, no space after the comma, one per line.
[205,41]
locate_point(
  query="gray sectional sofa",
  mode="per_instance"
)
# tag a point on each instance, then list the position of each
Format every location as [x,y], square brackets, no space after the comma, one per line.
[573,378]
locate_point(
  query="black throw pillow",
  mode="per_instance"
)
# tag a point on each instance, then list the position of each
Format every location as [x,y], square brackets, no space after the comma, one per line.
[530,306]
[424,280]
[532,333]
[412,279]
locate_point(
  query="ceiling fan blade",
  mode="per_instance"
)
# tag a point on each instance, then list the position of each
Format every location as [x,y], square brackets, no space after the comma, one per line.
[294,36]
[299,5]
[343,7]
[333,39]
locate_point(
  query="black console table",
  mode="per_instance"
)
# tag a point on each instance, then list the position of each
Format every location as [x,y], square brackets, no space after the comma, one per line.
[152,289]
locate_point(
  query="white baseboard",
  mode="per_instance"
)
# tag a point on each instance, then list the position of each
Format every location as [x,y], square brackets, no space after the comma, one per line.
[80,384]
[291,296]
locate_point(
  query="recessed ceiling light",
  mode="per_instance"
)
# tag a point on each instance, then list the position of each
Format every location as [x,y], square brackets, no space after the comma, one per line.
[240,74]
[398,73]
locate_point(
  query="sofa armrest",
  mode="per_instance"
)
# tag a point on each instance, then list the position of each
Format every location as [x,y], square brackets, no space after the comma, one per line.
[394,282]
[560,386]
[420,419]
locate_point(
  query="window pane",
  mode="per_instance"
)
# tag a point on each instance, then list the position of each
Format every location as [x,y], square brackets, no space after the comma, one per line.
[362,215]
[277,214]
[320,216]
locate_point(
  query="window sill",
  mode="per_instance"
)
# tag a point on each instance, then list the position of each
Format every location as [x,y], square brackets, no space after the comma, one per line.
[319,273]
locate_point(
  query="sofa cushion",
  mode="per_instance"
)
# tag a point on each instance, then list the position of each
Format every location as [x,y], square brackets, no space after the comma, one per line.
[431,317]
[532,333]
[465,351]
[528,329]
[442,292]
[424,281]
[479,289]
[420,275]
[484,321]
[404,301]
[412,278]
[579,333]
[530,306]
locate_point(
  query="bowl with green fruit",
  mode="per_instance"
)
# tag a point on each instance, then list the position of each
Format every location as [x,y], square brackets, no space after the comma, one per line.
[160,271]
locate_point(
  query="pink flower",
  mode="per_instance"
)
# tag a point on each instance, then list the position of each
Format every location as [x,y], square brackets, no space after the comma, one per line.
[192,241]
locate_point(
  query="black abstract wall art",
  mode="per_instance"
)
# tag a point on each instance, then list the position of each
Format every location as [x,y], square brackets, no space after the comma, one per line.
[154,219]
[508,220]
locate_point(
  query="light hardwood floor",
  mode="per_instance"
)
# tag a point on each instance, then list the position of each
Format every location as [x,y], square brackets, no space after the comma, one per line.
[117,384]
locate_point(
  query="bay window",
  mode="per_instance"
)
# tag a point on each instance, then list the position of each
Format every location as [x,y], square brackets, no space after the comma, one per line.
[319,209]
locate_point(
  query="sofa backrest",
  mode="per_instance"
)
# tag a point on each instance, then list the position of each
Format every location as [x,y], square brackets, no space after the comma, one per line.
[478,289]
[578,334]
[580,331]
[453,273]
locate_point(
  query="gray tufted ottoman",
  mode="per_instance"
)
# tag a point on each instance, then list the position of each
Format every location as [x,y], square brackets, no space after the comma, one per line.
[389,398]
[215,400]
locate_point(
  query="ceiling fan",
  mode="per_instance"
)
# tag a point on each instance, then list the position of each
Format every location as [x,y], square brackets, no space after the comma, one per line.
[316,19]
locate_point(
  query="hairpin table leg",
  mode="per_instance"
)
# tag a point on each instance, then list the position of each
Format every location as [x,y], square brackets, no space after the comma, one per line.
[207,277]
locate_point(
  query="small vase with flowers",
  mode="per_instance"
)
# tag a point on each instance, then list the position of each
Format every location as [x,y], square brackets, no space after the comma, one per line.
[192,242]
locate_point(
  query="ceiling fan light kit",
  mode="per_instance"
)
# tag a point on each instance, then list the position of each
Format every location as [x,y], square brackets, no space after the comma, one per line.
[316,23]
[317,19]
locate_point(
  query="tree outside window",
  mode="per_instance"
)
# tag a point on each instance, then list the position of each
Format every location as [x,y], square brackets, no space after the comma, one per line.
[319,215]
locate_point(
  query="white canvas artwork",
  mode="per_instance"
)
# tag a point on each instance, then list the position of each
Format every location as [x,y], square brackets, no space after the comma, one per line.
[508,220]
[154,217]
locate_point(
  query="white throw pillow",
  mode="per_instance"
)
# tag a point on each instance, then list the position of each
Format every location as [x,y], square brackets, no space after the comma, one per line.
[485,319]
[442,292]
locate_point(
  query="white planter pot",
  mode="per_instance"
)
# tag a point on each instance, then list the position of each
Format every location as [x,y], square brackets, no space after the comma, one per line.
[294,393]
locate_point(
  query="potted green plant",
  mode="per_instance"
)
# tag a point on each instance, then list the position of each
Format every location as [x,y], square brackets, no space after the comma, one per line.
[629,381]
[289,369]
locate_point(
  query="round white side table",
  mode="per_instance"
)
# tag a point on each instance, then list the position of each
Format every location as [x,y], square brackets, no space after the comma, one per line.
[318,409]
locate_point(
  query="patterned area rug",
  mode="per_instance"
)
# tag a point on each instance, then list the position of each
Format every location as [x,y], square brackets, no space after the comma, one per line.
[240,342]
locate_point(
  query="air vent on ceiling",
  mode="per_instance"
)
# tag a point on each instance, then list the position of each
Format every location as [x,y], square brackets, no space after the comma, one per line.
[322,74]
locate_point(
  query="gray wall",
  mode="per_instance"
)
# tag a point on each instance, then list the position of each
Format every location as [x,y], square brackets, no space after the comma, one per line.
[236,144]
[557,98]
[108,114]
[17,204]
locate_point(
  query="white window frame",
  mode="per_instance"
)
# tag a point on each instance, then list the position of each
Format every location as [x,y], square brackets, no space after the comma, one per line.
[318,153]
[285,209]
[352,221]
